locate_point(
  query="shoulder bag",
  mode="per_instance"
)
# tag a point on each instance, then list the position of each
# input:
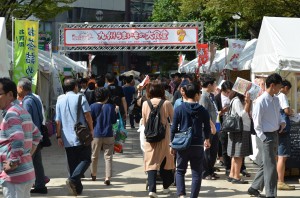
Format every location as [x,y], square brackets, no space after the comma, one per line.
[82,132]
[182,140]
[232,123]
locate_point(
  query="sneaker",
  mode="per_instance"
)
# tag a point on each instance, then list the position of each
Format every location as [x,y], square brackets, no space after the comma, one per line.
[284,186]
[153,195]
[166,191]
[39,190]
[71,187]
[107,182]
[254,192]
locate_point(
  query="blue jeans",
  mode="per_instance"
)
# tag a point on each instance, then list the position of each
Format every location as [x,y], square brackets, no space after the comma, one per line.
[79,160]
[38,168]
[194,155]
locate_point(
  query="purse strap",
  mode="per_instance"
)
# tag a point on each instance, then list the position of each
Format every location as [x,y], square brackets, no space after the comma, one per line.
[230,107]
[79,108]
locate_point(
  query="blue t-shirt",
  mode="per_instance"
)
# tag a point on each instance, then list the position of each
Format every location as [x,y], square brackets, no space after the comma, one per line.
[129,91]
[66,113]
[104,116]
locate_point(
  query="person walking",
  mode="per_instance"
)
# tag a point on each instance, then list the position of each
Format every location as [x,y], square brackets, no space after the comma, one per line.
[284,139]
[207,101]
[34,107]
[104,116]
[78,155]
[19,140]
[191,114]
[239,143]
[157,156]
[267,122]
[129,92]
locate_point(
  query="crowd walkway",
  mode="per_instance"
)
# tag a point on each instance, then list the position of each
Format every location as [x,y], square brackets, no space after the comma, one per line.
[129,178]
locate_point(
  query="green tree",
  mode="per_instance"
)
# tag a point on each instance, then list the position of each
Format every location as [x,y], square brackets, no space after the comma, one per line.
[23,9]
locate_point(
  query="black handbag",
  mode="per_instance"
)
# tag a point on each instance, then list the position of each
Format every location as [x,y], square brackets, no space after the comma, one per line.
[82,132]
[232,123]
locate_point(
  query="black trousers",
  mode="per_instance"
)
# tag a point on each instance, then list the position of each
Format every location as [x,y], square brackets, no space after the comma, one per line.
[167,177]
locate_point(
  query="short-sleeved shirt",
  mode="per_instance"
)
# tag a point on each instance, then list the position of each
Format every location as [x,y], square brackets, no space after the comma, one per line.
[129,91]
[17,135]
[283,101]
[66,113]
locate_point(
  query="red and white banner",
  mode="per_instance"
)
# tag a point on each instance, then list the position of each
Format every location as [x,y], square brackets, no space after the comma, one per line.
[181,60]
[130,36]
[202,53]
[235,49]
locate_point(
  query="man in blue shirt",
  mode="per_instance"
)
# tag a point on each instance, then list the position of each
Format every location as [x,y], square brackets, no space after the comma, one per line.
[33,105]
[78,156]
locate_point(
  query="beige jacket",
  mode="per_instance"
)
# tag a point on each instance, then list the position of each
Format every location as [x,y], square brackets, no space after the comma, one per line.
[156,152]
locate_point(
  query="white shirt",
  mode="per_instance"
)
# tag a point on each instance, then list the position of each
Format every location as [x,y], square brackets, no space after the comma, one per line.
[238,107]
[266,115]
[283,101]
[225,101]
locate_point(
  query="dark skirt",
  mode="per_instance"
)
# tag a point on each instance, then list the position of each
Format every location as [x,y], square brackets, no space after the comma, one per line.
[239,144]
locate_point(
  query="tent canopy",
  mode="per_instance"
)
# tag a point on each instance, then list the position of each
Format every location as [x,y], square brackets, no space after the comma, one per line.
[277,46]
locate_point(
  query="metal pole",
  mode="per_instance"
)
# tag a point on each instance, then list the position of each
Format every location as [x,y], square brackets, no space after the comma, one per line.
[12,43]
[235,29]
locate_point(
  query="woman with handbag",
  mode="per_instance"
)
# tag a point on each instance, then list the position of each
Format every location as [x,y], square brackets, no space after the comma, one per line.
[239,143]
[104,116]
[190,116]
[157,156]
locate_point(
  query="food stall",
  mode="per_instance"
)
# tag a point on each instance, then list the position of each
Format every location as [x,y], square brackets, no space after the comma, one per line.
[277,50]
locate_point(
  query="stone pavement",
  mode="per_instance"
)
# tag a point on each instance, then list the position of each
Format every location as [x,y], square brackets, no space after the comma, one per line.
[129,177]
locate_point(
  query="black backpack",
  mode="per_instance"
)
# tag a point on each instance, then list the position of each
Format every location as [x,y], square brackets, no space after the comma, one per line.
[155,131]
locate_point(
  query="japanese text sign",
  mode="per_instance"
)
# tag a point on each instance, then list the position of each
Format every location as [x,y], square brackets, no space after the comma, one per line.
[202,53]
[26,51]
[130,36]
[235,49]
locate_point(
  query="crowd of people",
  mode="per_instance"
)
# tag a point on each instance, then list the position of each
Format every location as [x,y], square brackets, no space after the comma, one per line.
[183,102]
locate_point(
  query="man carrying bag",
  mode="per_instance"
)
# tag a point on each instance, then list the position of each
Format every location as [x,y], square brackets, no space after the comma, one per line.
[78,153]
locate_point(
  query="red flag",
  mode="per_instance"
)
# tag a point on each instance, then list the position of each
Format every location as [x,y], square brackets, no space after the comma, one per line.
[144,82]
[202,53]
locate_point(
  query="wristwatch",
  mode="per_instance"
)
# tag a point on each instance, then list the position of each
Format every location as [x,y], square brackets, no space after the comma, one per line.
[11,163]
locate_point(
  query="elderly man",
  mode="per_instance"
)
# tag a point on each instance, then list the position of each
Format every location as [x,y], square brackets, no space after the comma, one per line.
[33,105]
[19,139]
[78,156]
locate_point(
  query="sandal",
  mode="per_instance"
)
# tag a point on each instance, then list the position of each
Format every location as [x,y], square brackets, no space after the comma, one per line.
[238,181]
[245,173]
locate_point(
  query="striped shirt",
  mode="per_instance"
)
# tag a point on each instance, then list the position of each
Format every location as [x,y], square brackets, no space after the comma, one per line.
[17,135]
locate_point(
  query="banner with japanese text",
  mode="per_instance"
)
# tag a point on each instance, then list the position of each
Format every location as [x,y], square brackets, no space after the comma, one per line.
[202,53]
[235,48]
[26,51]
[181,60]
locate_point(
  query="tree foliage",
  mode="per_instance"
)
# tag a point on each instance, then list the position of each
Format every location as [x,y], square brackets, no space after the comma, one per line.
[217,15]
[23,9]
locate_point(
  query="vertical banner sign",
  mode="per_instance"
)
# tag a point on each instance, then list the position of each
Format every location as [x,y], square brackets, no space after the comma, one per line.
[202,54]
[235,49]
[181,59]
[26,51]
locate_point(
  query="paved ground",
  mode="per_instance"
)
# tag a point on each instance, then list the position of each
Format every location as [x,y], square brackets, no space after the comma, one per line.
[129,177]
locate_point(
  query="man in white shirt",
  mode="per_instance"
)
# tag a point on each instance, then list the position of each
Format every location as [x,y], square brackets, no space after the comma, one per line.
[284,140]
[267,121]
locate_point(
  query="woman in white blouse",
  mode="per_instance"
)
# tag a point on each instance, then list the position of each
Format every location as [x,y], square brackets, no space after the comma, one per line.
[239,144]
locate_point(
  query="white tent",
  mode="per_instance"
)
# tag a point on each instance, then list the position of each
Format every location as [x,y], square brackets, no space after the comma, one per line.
[190,67]
[219,62]
[246,56]
[277,46]
[4,61]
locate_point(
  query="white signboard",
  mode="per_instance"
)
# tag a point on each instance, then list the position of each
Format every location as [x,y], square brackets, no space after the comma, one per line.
[130,36]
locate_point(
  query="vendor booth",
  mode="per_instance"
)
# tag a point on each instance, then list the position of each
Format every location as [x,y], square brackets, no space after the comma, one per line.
[277,50]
